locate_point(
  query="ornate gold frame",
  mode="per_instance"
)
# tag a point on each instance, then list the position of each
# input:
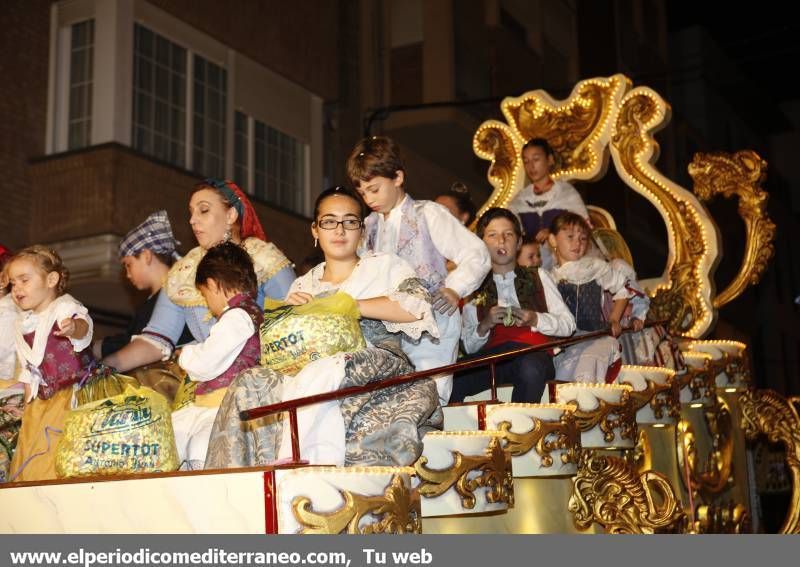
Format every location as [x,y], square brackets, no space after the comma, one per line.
[606,116]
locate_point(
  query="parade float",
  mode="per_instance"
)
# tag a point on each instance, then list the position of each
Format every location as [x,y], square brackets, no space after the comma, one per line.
[664,449]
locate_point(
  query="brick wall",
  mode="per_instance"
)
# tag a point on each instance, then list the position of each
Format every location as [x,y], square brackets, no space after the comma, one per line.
[298,40]
[110,189]
[24,46]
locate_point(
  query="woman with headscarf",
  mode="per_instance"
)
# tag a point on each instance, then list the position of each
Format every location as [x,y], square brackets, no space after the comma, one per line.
[220,212]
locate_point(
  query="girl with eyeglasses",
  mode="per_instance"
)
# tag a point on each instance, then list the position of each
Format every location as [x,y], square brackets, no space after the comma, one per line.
[382,428]
[372,279]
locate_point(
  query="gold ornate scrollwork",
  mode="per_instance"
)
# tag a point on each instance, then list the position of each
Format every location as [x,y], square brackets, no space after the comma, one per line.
[495,475]
[684,300]
[730,518]
[767,412]
[602,114]
[397,512]
[609,416]
[736,366]
[609,491]
[741,174]
[715,474]
[495,142]
[700,381]
[576,128]
[662,398]
[545,437]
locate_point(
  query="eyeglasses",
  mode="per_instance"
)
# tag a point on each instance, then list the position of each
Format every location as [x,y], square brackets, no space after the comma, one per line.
[332,224]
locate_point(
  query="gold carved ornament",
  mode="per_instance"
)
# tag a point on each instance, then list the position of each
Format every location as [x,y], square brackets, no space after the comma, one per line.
[600,116]
[545,437]
[767,412]
[683,296]
[641,456]
[741,174]
[714,474]
[700,381]
[730,518]
[397,512]
[494,468]
[608,490]
[663,399]
[609,416]
[577,129]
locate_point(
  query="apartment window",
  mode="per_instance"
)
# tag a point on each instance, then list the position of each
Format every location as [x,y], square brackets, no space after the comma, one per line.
[279,164]
[81,63]
[159,97]
[210,103]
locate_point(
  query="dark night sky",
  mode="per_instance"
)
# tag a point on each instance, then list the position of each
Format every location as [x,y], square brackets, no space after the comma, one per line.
[763,39]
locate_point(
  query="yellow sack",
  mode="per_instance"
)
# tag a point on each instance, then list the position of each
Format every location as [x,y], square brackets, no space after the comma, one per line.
[294,335]
[102,384]
[125,434]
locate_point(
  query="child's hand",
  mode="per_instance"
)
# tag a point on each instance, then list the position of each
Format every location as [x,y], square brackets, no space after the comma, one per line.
[616,328]
[493,318]
[67,327]
[298,298]
[524,317]
[637,325]
[73,328]
[445,301]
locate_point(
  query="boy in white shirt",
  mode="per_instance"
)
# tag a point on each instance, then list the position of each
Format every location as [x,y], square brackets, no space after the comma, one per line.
[226,279]
[515,307]
[544,199]
[426,235]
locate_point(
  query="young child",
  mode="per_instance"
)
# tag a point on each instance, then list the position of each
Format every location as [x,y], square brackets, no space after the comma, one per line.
[544,199]
[147,252]
[641,346]
[8,315]
[536,311]
[391,302]
[458,202]
[426,235]
[52,336]
[582,280]
[226,279]
[529,255]
[11,391]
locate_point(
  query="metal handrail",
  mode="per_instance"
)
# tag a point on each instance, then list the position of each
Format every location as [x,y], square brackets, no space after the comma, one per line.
[491,360]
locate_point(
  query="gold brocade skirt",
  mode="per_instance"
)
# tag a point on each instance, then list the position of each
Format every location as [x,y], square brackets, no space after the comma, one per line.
[42,424]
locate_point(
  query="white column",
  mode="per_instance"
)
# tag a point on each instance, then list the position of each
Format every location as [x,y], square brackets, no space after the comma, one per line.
[113,72]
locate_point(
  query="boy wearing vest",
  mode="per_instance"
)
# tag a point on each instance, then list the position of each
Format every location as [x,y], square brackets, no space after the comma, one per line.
[426,235]
[515,307]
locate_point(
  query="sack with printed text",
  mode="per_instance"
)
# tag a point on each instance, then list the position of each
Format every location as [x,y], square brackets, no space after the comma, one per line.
[128,433]
[294,335]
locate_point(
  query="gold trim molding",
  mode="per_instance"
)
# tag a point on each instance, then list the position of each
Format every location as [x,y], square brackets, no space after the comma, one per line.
[397,511]
[545,437]
[609,416]
[495,475]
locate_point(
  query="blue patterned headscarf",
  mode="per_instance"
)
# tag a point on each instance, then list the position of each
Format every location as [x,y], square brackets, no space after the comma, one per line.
[154,234]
